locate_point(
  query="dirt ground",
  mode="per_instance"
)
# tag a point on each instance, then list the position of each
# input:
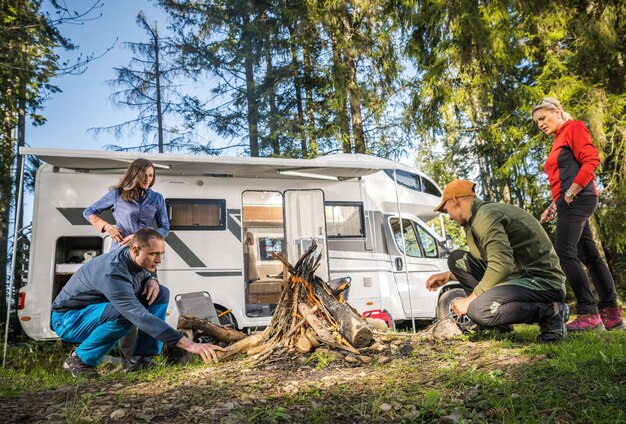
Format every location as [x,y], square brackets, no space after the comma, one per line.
[390,382]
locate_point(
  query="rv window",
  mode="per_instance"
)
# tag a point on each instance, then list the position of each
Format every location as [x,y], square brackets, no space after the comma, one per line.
[430,187]
[269,245]
[415,182]
[428,243]
[197,214]
[412,243]
[344,219]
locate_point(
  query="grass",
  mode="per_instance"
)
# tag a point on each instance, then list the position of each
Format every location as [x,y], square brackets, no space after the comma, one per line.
[493,378]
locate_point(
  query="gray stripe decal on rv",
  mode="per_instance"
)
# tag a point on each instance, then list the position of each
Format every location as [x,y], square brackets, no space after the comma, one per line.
[234,222]
[220,274]
[75,216]
[183,251]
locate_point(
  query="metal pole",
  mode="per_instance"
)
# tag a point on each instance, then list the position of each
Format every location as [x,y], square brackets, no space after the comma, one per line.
[406,264]
[16,231]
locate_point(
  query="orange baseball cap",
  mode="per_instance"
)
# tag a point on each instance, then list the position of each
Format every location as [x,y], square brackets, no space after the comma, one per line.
[456,188]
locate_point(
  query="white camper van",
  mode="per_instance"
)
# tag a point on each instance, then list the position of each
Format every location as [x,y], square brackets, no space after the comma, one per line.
[228,214]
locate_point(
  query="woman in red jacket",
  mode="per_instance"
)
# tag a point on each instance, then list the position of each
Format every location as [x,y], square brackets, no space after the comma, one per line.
[570,168]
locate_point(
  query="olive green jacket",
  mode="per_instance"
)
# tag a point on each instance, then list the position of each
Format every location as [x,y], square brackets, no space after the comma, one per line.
[514,245]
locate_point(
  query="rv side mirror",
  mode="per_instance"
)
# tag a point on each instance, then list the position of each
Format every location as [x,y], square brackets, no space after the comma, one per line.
[447,245]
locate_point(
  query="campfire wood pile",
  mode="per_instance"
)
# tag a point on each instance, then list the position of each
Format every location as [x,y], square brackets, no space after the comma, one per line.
[309,314]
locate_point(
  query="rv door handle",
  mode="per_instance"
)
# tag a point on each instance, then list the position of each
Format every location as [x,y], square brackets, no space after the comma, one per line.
[398,264]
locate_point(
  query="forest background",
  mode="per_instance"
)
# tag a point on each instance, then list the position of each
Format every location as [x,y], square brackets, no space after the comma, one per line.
[453,80]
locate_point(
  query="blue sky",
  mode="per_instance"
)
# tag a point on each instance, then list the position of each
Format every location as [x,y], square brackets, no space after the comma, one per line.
[84,101]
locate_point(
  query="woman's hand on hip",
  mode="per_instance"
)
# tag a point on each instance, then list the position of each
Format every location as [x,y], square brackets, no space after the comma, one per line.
[114,233]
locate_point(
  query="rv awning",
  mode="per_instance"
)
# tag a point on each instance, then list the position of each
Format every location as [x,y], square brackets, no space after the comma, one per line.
[340,166]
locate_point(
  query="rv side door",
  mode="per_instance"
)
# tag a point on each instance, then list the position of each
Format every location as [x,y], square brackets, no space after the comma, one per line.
[422,260]
[304,221]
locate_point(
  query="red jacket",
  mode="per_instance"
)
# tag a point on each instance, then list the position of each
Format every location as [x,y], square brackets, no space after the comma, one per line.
[573,159]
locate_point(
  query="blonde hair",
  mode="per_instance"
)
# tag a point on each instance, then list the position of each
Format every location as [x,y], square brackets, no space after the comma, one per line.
[552,104]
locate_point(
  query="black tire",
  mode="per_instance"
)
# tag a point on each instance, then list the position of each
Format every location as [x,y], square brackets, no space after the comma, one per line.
[226,320]
[444,311]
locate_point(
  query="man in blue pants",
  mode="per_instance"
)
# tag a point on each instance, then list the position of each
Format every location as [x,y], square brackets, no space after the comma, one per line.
[109,293]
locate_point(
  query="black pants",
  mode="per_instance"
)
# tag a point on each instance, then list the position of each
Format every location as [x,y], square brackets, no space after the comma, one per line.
[503,304]
[574,243]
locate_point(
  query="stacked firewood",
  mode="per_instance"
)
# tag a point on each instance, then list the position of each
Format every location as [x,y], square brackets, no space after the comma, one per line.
[309,314]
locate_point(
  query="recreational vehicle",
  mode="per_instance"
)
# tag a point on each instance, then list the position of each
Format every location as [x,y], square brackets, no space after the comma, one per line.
[229,214]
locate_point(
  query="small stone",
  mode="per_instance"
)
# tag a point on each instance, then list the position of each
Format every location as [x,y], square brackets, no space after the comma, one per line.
[352,359]
[386,339]
[366,359]
[405,350]
[118,414]
[246,370]
[117,386]
[378,347]
[196,409]
[144,417]
[452,418]
[385,407]
[362,374]
[382,359]
[147,409]
[229,406]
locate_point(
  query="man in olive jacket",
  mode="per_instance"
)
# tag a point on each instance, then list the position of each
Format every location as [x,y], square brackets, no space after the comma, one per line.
[511,274]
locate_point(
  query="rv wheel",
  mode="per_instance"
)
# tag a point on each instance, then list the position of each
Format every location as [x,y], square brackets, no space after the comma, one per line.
[444,311]
[226,319]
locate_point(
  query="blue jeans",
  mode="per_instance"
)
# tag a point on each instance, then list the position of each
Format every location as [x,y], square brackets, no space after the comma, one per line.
[98,327]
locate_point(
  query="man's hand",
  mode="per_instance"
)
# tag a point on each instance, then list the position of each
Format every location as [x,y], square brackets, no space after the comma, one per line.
[437,280]
[460,305]
[126,240]
[151,290]
[548,214]
[204,350]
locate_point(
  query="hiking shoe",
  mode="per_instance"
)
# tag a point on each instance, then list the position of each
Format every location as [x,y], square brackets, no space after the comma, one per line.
[554,329]
[78,368]
[612,319]
[586,322]
[139,363]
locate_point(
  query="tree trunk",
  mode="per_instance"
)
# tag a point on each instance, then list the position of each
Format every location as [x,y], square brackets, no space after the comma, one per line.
[204,327]
[295,68]
[157,81]
[308,89]
[340,83]
[251,92]
[270,83]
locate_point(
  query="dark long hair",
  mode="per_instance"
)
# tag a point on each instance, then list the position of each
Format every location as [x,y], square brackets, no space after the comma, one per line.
[129,184]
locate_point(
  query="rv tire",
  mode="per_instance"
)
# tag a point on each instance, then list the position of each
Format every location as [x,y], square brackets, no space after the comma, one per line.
[445,312]
[226,320]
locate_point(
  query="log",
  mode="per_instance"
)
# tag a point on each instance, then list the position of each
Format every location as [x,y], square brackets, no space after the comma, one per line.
[204,327]
[243,345]
[175,355]
[303,344]
[316,324]
[351,325]
[311,336]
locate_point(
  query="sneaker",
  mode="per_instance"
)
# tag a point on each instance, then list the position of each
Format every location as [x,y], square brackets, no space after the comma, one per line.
[612,319]
[78,368]
[139,363]
[586,322]
[554,329]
